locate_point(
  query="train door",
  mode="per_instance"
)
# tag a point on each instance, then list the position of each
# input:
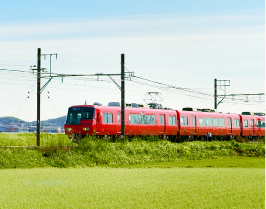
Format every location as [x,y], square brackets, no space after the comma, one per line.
[229,126]
[162,124]
[252,127]
[118,123]
[193,125]
[98,124]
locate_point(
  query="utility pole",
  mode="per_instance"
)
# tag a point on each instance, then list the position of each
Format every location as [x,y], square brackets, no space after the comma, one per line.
[38,95]
[215,91]
[225,95]
[122,96]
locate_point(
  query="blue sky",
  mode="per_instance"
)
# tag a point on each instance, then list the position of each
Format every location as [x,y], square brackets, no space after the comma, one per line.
[181,43]
[50,9]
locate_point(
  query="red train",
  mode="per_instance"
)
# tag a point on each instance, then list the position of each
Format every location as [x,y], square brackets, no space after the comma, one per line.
[176,125]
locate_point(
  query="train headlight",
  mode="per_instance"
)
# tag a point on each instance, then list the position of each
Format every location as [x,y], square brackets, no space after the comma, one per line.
[68,129]
[86,129]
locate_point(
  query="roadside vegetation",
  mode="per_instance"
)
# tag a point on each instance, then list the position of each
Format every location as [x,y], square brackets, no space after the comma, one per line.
[92,151]
[29,139]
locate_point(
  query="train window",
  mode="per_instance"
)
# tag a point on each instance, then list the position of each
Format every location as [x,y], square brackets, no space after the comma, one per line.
[184,121]
[87,113]
[221,122]
[211,122]
[149,119]
[215,122]
[236,122]
[208,121]
[202,121]
[172,120]
[135,119]
[74,115]
[229,122]
[161,119]
[193,120]
[107,118]
[73,118]
[261,124]
[141,119]
[245,123]
[118,117]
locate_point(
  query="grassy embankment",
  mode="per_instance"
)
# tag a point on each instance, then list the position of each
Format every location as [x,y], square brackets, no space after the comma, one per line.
[29,139]
[94,152]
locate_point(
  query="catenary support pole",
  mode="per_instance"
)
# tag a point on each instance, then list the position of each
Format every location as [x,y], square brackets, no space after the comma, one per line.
[122,96]
[215,93]
[38,95]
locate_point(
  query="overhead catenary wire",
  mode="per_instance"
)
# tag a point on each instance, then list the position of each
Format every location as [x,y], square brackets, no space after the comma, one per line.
[174,87]
[185,92]
[25,99]
[168,90]
[52,102]
[165,86]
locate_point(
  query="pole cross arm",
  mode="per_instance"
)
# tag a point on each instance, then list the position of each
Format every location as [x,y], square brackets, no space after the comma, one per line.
[221,100]
[41,90]
[115,83]
[241,95]
[259,94]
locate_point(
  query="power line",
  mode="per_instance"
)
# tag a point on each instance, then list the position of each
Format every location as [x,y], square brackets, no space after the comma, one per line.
[174,87]
[21,71]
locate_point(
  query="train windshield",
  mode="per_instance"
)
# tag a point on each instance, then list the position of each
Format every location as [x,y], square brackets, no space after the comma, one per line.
[75,114]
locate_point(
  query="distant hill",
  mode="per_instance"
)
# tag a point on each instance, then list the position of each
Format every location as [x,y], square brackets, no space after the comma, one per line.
[50,122]
[54,122]
[10,120]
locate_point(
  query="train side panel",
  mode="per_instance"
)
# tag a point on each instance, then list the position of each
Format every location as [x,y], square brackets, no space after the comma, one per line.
[106,120]
[203,123]
[138,121]
[252,125]
[150,122]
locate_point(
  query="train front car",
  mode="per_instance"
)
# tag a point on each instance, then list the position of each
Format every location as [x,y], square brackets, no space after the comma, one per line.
[80,121]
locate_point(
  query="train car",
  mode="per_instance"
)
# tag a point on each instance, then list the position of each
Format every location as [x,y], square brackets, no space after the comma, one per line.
[188,124]
[85,120]
[253,126]
[196,124]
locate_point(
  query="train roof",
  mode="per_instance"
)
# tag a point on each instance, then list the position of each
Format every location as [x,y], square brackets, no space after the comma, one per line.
[186,110]
[126,107]
[206,113]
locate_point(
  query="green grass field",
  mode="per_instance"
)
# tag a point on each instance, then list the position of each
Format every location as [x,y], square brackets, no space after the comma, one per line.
[133,188]
[143,173]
